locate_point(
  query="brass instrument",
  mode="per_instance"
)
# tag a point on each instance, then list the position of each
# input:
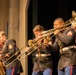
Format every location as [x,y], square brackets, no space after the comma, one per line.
[37,41]
[32,43]
[51,31]
[12,56]
[2,70]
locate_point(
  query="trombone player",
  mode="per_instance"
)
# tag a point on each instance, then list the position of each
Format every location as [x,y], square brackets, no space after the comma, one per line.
[64,41]
[42,60]
[9,48]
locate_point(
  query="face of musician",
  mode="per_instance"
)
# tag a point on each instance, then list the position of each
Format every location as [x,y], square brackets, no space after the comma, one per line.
[58,22]
[37,30]
[2,37]
[37,33]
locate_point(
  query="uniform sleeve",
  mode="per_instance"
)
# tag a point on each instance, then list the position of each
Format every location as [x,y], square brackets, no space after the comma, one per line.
[54,47]
[17,51]
[65,38]
[11,48]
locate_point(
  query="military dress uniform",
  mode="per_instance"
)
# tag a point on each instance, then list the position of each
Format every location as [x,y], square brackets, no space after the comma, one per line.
[10,49]
[42,61]
[65,45]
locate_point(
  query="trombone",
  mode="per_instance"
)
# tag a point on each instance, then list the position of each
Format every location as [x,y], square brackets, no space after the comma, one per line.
[51,31]
[20,55]
[12,56]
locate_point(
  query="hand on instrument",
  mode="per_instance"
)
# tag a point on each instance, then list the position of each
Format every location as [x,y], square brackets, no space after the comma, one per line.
[56,32]
[6,55]
[17,53]
[27,49]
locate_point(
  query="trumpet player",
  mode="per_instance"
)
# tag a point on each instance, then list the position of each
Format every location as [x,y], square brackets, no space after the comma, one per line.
[42,60]
[64,42]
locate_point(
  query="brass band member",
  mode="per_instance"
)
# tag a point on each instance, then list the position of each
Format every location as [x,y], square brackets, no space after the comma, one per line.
[42,60]
[64,40]
[8,50]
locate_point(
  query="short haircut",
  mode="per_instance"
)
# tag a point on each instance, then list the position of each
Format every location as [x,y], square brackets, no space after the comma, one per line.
[2,33]
[59,19]
[38,28]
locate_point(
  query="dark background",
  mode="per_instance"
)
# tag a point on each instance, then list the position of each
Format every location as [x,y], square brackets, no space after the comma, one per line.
[48,10]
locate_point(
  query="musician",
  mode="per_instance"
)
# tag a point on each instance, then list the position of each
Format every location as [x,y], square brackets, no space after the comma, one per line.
[19,65]
[42,60]
[64,40]
[8,50]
